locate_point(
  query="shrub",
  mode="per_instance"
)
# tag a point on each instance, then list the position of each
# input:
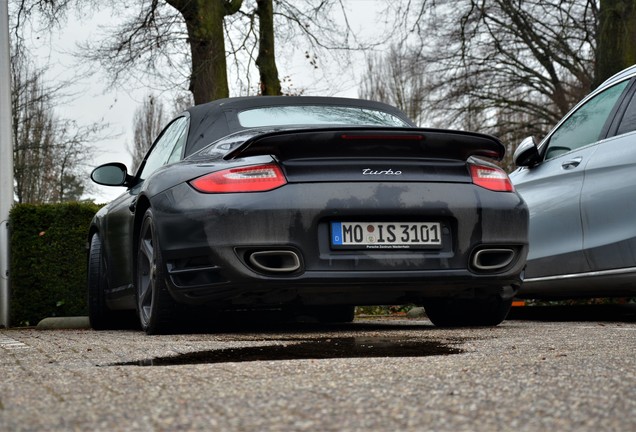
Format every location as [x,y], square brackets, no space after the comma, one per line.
[48,260]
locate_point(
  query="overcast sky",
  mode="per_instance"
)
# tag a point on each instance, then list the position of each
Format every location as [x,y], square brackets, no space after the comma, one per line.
[95,102]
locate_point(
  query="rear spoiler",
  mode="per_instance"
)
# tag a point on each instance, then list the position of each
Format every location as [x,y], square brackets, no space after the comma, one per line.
[370,142]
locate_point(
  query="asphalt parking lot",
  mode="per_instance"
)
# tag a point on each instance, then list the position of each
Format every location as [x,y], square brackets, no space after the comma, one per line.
[545,370]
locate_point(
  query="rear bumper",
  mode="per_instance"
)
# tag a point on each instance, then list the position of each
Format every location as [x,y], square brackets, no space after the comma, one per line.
[356,288]
[207,242]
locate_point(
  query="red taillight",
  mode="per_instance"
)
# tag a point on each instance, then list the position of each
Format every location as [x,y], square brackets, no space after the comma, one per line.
[257,178]
[494,179]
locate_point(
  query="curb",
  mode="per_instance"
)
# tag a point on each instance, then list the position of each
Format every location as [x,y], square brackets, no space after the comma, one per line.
[79,322]
[416,313]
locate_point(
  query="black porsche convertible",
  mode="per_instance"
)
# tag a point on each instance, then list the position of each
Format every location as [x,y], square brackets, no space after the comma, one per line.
[311,205]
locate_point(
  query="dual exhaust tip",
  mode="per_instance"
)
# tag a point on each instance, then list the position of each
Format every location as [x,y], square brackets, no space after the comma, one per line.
[283,261]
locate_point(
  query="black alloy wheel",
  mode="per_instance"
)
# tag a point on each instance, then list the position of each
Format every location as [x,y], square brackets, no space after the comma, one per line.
[155,306]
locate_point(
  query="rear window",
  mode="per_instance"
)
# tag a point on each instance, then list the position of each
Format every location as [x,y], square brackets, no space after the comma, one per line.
[317,115]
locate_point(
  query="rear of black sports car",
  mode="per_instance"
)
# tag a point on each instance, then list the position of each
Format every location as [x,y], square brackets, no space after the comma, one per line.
[310,205]
[343,217]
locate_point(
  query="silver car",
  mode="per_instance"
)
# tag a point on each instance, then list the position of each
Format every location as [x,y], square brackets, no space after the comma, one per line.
[580,186]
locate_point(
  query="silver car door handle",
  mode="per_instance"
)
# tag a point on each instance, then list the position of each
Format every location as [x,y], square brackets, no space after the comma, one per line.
[572,163]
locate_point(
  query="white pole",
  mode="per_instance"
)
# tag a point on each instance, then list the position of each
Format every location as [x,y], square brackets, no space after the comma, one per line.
[6,161]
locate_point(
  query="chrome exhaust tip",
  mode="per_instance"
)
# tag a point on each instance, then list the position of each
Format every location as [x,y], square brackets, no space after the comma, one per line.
[275,261]
[492,259]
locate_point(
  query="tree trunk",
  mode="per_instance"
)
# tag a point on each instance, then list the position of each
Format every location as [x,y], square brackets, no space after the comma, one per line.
[616,38]
[204,21]
[266,60]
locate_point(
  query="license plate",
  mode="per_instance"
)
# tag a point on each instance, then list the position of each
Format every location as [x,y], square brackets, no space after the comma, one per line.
[386,235]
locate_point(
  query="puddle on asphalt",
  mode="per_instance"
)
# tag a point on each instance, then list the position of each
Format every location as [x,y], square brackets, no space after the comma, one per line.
[327,348]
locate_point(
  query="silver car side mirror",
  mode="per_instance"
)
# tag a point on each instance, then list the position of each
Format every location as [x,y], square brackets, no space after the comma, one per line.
[527,153]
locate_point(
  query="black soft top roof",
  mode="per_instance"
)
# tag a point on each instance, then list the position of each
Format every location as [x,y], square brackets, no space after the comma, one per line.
[214,120]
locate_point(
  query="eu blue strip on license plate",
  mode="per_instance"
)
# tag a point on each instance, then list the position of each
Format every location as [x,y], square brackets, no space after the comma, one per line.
[336,233]
[386,235]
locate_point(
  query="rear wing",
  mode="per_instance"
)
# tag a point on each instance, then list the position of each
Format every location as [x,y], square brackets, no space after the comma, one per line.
[370,142]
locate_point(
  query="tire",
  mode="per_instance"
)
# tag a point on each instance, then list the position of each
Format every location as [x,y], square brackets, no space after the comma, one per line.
[479,312]
[155,307]
[99,315]
[327,314]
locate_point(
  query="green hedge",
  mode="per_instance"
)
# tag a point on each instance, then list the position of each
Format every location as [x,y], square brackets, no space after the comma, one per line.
[48,260]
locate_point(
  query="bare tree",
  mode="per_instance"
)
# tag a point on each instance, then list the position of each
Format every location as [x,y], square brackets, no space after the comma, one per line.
[616,48]
[148,121]
[173,41]
[394,79]
[177,44]
[33,134]
[505,67]
[49,152]
[182,101]
[194,43]
[22,11]
[73,152]
[531,62]
[266,60]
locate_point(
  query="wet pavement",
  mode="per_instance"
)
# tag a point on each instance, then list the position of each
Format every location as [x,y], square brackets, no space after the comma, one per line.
[571,373]
[305,349]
